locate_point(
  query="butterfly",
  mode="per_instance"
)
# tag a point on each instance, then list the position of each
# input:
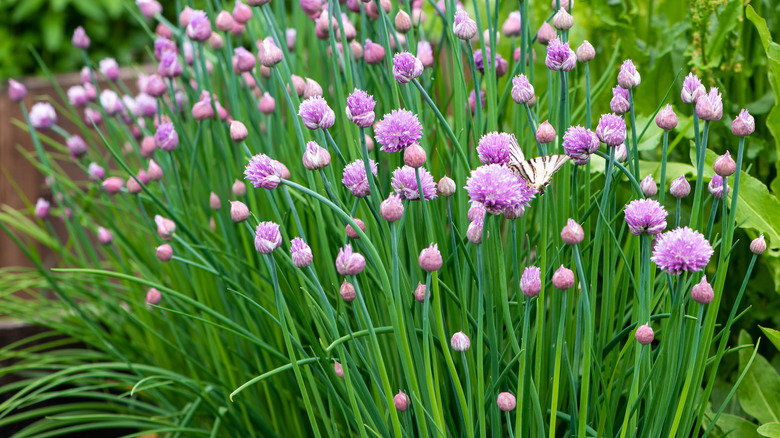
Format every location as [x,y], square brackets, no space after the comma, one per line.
[537,172]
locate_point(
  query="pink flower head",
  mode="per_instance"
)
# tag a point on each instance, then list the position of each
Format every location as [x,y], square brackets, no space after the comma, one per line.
[406,67]
[482,57]
[300,253]
[522,90]
[611,130]
[149,8]
[16,90]
[243,60]
[460,342]
[679,187]
[430,258]
[391,209]
[644,334]
[77,96]
[316,113]
[702,293]
[401,401]
[497,188]
[531,281]
[242,13]
[262,171]
[373,53]
[267,237]
[579,143]
[76,146]
[709,106]
[354,178]
[648,187]
[348,262]
[404,182]
[619,103]
[199,27]
[104,236]
[360,108]
[494,147]
[42,116]
[268,53]
[164,45]
[628,77]
[165,227]
[681,249]
[512,25]
[153,297]
[80,38]
[96,172]
[42,208]
[559,56]
[169,65]
[692,89]
[743,125]
[398,130]
[757,246]
[463,26]
[506,401]
[425,53]
[645,216]
[716,187]
[166,138]
[563,278]
[109,68]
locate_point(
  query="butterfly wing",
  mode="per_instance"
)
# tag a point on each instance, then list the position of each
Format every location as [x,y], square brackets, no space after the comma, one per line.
[538,171]
[516,158]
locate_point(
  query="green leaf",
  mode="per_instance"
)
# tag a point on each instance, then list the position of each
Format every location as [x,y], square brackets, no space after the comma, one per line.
[759,393]
[53,28]
[770,430]
[730,426]
[729,17]
[773,335]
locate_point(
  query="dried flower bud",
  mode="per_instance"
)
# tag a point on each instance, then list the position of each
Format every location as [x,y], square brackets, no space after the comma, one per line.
[347,291]
[446,187]
[420,292]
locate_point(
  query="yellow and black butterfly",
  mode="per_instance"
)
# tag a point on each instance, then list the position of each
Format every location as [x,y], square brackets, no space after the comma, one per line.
[537,172]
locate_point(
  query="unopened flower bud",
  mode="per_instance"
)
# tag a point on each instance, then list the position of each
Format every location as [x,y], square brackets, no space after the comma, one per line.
[680,188]
[300,252]
[724,165]
[420,292]
[154,171]
[165,227]
[743,125]
[666,118]
[649,189]
[339,369]
[562,20]
[546,33]
[239,212]
[113,185]
[373,53]
[16,90]
[545,133]
[506,401]
[351,231]
[572,233]
[403,23]
[474,231]
[758,245]
[401,401]
[239,188]
[563,278]
[214,202]
[164,252]
[347,291]
[315,157]
[414,156]
[430,258]
[644,334]
[446,187]
[238,131]
[585,52]
[153,297]
[702,293]
[460,342]
[391,209]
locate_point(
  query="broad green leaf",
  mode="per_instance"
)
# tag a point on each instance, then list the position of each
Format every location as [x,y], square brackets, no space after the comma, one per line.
[770,430]
[653,136]
[730,426]
[759,393]
[773,335]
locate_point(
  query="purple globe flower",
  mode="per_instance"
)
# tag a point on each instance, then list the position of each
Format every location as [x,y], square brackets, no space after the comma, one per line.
[481,57]
[579,143]
[716,187]
[743,125]
[692,89]
[267,237]
[169,65]
[354,178]
[398,130]
[163,45]
[463,26]
[300,253]
[531,281]
[80,38]
[360,108]
[611,130]
[243,60]
[316,113]
[199,27]
[404,182]
[497,188]
[619,103]
[348,262]
[709,106]
[628,76]
[681,249]
[42,115]
[76,146]
[494,147]
[645,216]
[77,95]
[262,171]
[522,90]
[406,67]
[559,56]
[166,138]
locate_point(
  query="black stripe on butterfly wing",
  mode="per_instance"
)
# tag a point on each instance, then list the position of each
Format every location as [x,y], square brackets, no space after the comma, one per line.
[516,155]
[542,168]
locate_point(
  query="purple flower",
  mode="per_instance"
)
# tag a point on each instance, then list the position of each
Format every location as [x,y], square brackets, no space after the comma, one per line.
[149,8]
[494,147]
[300,252]
[267,237]
[42,208]
[109,68]
[645,216]
[42,115]
[263,171]
[531,281]
[96,172]
[355,180]
[559,56]
[404,182]
[316,113]
[473,100]
[76,146]
[481,56]
[166,138]
[666,118]
[743,125]
[316,157]
[498,188]
[348,262]
[77,95]
[169,65]
[145,105]
[243,60]
[360,108]
[681,249]
[619,103]
[709,107]
[406,67]
[80,38]
[199,27]
[522,90]
[425,53]
[163,46]
[692,89]
[463,26]
[611,130]
[628,76]
[579,143]
[716,187]
[398,130]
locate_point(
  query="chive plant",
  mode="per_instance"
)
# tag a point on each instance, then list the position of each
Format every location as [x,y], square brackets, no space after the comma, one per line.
[302,224]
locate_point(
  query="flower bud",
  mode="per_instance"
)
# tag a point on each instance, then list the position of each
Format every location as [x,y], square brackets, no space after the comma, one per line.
[113,185]
[80,38]
[153,297]
[628,77]
[743,125]
[267,104]
[42,208]
[164,252]
[299,84]
[268,54]
[339,369]
[242,13]
[214,202]
[311,89]
[239,212]
[724,165]
[718,187]
[460,342]
[351,231]
[238,131]
[414,156]
[446,187]
[522,90]
[545,133]
[300,253]
[165,227]
[649,189]
[644,334]
[224,21]
[16,90]
[239,188]
[403,23]
[391,209]
[133,186]
[702,293]
[563,278]
[666,118]
[621,153]
[347,291]
[531,282]
[512,26]
[585,52]
[420,292]
[373,53]
[349,262]
[430,258]
[562,20]
[104,236]
[506,401]
[463,26]
[154,171]
[572,233]
[680,188]
[474,232]
[315,157]
[546,33]
[401,401]
[758,245]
